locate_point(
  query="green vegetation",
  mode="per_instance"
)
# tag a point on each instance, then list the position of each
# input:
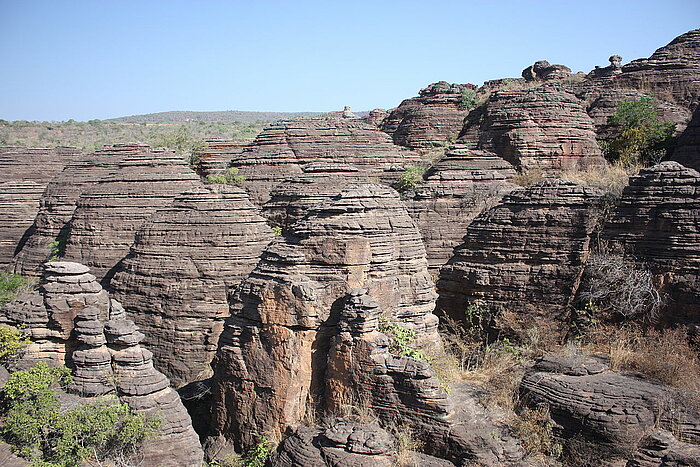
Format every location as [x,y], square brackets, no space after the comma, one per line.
[184,137]
[468,99]
[10,286]
[402,339]
[12,340]
[41,432]
[408,180]
[277,230]
[257,455]
[230,177]
[643,139]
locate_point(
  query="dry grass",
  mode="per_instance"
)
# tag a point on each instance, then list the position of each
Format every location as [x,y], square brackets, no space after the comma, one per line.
[527,177]
[612,178]
[406,446]
[534,429]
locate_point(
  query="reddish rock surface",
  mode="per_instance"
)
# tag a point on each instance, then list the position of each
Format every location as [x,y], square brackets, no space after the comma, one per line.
[217,155]
[19,203]
[688,150]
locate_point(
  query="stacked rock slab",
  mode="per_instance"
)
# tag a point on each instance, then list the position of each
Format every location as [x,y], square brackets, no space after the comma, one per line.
[402,390]
[35,164]
[454,191]
[283,148]
[658,222]
[58,204]
[272,352]
[586,399]
[545,128]
[319,182]
[174,284]
[215,158]
[542,70]
[431,119]
[19,203]
[108,214]
[688,150]
[671,73]
[524,255]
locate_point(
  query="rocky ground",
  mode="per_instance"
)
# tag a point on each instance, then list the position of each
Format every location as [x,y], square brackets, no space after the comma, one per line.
[467,279]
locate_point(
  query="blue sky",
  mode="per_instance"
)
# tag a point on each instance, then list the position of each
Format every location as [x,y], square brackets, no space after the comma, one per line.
[103,59]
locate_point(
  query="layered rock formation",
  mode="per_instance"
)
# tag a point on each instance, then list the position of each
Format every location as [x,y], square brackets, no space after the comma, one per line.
[174,283]
[58,204]
[524,255]
[434,118]
[688,150]
[218,153]
[658,222]
[19,203]
[272,353]
[454,191]
[283,148]
[34,164]
[544,128]
[542,70]
[109,213]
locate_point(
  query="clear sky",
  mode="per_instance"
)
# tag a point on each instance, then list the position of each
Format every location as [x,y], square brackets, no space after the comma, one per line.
[66,59]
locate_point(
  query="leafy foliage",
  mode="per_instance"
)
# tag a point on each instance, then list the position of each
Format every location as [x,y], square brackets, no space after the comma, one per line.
[644,138]
[402,339]
[12,340]
[230,177]
[467,100]
[408,180]
[257,455]
[10,286]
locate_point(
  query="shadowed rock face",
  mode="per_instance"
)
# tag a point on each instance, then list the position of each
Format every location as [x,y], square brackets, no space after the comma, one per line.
[19,203]
[272,353]
[524,255]
[688,150]
[544,128]
[109,213]
[174,284]
[283,148]
[431,119]
[455,190]
[58,204]
[658,221]
[219,152]
[672,72]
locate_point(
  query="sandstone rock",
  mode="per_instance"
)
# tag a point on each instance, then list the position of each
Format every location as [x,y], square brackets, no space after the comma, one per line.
[544,128]
[93,374]
[272,353]
[615,68]
[19,203]
[431,119]
[524,255]
[283,148]
[109,213]
[542,70]
[376,117]
[215,158]
[174,284]
[661,448]
[688,150]
[58,204]
[455,190]
[320,181]
[658,222]
[38,165]
[9,459]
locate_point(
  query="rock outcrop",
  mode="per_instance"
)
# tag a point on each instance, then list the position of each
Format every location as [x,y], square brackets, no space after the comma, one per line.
[434,118]
[34,164]
[544,128]
[454,191]
[174,283]
[109,213]
[58,204]
[19,203]
[215,158]
[524,255]
[658,222]
[688,150]
[272,355]
[283,148]
[542,70]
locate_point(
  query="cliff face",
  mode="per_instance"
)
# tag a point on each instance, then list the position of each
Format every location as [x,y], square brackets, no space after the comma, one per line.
[218,153]
[175,281]
[108,214]
[688,150]
[431,119]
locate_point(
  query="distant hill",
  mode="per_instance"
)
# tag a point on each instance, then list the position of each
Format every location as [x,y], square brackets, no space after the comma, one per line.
[220,116]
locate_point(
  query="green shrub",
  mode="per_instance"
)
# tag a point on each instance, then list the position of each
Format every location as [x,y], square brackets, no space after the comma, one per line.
[402,339]
[257,455]
[10,286]
[467,100]
[230,177]
[277,230]
[408,180]
[12,340]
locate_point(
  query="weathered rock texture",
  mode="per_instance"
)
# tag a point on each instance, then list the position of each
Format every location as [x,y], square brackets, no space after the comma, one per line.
[174,284]
[34,164]
[544,128]
[524,255]
[542,70]
[272,354]
[71,320]
[431,119]
[108,214]
[658,222]
[283,148]
[455,190]
[617,411]
[58,204]
[215,158]
[319,182]
[661,448]
[688,150]
[19,203]
[672,73]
